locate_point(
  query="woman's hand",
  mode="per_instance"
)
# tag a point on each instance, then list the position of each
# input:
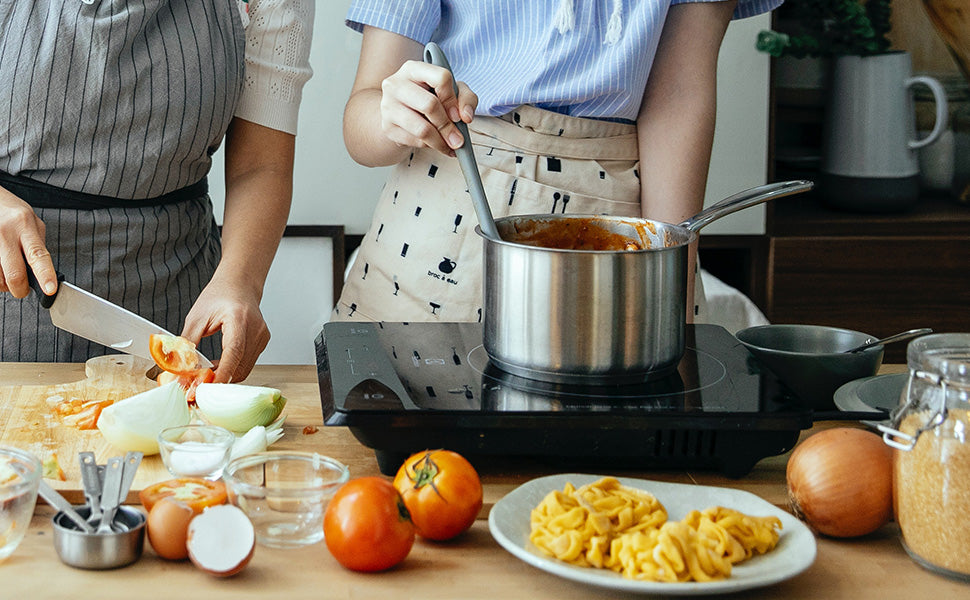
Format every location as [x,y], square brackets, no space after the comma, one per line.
[419,107]
[21,247]
[399,102]
[233,308]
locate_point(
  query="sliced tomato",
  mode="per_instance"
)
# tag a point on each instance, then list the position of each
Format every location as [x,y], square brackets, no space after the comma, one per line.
[188,382]
[196,492]
[82,414]
[174,354]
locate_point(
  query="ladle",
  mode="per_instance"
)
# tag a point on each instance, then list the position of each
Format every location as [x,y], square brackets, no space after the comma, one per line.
[905,335]
[466,156]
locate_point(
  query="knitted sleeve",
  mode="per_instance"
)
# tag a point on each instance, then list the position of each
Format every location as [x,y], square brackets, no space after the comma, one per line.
[278,37]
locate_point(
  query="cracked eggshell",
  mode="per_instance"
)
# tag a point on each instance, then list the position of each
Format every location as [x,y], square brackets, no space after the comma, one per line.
[221,540]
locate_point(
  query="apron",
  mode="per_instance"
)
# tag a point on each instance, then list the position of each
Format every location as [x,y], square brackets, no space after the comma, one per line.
[119,107]
[421,260]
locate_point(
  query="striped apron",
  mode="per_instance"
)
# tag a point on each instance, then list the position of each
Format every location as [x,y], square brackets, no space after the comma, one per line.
[421,260]
[109,114]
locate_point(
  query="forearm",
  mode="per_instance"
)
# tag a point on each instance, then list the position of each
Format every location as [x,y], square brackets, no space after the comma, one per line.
[259,188]
[676,121]
[363,137]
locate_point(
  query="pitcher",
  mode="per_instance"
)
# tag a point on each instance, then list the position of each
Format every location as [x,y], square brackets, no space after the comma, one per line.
[869,160]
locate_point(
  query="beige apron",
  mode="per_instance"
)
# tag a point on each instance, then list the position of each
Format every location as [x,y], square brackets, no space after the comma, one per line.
[421,260]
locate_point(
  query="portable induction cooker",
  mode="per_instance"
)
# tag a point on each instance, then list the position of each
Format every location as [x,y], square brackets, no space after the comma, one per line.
[404,387]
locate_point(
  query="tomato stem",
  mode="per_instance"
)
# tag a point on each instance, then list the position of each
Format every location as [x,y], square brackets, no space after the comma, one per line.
[425,471]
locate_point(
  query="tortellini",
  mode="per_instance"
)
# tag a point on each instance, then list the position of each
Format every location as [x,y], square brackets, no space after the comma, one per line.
[611,526]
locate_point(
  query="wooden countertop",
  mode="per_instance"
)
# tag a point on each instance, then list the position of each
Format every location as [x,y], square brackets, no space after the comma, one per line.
[473,566]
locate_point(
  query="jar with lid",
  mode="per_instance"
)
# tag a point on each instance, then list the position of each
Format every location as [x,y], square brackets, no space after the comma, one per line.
[930,434]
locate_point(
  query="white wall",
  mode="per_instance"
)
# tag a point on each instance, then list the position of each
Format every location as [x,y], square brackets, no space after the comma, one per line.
[331,189]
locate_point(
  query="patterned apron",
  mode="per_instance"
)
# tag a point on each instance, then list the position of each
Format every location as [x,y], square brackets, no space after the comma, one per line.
[109,114]
[421,260]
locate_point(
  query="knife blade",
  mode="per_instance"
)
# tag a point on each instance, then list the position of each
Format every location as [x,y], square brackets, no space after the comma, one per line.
[89,316]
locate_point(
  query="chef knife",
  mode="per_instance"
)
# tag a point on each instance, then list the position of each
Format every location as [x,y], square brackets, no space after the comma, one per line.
[94,318]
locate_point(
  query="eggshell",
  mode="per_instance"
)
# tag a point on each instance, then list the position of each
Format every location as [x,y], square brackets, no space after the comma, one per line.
[167,526]
[221,540]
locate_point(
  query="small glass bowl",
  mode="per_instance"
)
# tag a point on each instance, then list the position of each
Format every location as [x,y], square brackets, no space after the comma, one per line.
[20,473]
[284,494]
[196,450]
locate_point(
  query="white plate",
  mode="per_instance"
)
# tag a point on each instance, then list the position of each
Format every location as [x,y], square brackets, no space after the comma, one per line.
[879,391]
[509,523]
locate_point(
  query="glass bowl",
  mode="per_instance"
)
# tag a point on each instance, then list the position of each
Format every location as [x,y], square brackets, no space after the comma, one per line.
[284,494]
[196,450]
[20,473]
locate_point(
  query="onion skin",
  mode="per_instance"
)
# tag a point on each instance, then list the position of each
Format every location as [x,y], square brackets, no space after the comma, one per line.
[840,482]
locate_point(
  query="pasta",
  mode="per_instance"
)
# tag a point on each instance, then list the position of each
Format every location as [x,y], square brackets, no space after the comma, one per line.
[608,525]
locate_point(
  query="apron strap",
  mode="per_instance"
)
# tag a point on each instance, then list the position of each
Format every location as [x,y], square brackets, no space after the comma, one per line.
[42,195]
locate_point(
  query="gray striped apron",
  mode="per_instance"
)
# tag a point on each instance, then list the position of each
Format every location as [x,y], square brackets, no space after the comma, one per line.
[109,114]
[421,260]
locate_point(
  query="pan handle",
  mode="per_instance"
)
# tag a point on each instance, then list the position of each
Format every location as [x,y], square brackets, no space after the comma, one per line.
[746,199]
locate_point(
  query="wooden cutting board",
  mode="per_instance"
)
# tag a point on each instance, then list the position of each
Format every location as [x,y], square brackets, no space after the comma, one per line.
[27,420]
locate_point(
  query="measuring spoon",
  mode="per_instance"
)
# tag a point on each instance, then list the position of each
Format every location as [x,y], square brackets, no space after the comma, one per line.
[91,481]
[53,497]
[111,493]
[466,156]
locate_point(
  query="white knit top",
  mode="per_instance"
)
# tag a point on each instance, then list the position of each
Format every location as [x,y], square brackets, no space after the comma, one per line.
[278,36]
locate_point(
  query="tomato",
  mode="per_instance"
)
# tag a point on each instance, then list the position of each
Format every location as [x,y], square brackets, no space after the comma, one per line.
[442,491]
[366,526]
[174,354]
[195,492]
[82,414]
[188,382]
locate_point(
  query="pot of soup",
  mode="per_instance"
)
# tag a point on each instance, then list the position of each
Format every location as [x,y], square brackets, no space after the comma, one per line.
[595,299]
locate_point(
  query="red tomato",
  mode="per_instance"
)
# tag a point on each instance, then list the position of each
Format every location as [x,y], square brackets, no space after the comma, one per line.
[188,382]
[195,492]
[174,354]
[442,491]
[366,526]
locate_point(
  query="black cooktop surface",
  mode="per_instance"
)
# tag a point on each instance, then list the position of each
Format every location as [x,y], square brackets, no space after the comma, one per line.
[404,387]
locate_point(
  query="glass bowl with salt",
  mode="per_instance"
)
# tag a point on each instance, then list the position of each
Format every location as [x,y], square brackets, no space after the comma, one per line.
[196,450]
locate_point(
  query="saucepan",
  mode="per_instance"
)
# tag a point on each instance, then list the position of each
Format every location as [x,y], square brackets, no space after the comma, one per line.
[595,299]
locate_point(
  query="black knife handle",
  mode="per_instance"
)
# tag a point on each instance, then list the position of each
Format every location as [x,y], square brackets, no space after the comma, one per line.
[45,300]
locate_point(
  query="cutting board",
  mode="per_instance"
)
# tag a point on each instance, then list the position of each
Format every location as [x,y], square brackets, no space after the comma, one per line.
[27,420]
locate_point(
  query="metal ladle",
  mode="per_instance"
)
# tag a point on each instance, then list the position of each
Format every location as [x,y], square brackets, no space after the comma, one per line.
[905,335]
[466,157]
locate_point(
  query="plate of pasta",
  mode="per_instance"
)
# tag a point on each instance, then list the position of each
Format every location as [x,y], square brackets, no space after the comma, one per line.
[652,537]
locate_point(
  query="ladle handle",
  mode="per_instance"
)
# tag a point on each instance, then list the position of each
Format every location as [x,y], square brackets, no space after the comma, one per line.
[746,199]
[466,156]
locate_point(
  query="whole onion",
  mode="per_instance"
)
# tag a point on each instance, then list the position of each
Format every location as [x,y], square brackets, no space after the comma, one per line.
[840,482]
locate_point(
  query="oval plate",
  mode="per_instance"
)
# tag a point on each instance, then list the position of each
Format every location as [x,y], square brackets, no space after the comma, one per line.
[509,523]
[879,392]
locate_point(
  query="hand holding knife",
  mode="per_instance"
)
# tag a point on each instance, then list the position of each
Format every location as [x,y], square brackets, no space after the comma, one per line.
[82,313]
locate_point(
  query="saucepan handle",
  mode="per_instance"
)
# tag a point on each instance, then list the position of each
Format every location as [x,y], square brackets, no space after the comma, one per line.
[746,199]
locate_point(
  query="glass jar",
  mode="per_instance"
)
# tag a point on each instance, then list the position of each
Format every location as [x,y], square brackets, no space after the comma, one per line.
[930,435]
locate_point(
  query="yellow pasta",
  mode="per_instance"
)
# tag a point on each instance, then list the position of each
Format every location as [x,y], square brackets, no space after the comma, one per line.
[607,525]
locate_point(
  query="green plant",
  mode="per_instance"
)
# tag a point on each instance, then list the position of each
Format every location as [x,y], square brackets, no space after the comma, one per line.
[829,28]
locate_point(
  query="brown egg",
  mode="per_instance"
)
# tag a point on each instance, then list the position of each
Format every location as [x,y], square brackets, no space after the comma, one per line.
[168,526]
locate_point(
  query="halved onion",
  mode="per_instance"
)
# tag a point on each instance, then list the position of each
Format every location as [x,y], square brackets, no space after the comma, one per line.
[133,424]
[238,407]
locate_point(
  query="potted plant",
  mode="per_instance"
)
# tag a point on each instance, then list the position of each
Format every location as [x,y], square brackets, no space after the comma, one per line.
[869,159]
[827,28]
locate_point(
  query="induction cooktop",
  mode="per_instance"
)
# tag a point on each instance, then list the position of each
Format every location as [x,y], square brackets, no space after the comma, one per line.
[405,387]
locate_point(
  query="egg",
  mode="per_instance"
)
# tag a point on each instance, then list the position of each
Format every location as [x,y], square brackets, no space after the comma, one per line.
[168,526]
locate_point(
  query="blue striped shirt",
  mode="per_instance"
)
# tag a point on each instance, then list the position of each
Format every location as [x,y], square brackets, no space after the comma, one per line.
[512,52]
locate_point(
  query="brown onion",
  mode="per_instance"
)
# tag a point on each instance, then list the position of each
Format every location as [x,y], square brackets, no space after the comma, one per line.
[840,482]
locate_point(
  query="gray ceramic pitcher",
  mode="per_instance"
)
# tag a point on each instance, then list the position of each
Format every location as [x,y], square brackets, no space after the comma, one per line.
[869,160]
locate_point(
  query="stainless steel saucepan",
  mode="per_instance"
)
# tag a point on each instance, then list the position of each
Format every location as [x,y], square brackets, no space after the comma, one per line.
[557,312]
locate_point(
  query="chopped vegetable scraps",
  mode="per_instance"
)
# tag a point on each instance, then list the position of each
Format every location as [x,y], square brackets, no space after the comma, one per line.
[52,468]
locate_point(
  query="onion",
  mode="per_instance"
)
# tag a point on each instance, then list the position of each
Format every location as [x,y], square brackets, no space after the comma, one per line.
[840,482]
[256,440]
[133,424]
[238,407]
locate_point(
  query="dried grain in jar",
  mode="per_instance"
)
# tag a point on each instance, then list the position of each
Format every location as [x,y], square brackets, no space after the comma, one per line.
[931,480]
